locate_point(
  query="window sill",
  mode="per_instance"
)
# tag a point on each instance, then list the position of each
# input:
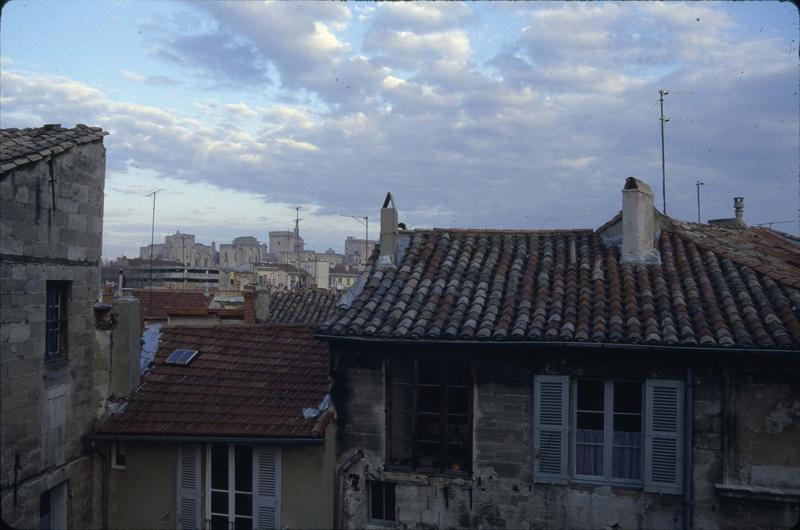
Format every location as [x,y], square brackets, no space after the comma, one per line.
[58,362]
[762,493]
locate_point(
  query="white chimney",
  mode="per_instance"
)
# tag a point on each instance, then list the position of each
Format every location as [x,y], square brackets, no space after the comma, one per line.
[638,223]
[738,208]
[388,240]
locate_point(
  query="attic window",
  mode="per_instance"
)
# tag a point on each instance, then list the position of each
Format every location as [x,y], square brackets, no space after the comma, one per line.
[181,357]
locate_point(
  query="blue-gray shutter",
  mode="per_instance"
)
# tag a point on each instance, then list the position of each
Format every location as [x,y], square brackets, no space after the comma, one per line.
[550,428]
[663,457]
[187,510]
[267,488]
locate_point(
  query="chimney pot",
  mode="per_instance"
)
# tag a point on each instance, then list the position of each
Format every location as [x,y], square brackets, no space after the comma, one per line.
[738,208]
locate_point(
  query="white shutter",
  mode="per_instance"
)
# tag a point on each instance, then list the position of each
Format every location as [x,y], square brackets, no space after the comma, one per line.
[550,428]
[187,516]
[267,488]
[663,459]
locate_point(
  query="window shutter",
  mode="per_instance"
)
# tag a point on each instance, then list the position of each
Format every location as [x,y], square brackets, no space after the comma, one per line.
[188,505]
[267,488]
[550,428]
[664,436]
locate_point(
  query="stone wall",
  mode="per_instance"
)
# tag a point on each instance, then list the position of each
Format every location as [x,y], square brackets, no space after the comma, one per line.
[46,236]
[500,492]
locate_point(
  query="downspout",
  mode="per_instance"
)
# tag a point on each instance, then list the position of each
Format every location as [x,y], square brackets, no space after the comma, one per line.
[687,452]
[104,484]
[355,457]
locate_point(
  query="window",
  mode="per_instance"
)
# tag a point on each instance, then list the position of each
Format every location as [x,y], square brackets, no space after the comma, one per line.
[53,507]
[231,487]
[618,432]
[381,501]
[118,455]
[56,320]
[430,414]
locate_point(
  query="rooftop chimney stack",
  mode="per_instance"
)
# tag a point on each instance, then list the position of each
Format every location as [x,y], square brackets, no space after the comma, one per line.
[389,233]
[738,207]
[638,223]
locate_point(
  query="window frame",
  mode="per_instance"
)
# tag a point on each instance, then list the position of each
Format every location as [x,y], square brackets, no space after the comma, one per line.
[385,487]
[608,434]
[60,324]
[231,491]
[117,449]
[466,468]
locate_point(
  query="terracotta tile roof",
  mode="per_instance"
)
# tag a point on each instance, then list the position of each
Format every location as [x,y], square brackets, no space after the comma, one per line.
[24,146]
[156,304]
[302,306]
[246,381]
[715,287]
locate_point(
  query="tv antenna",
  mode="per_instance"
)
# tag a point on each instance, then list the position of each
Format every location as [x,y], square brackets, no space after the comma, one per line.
[152,241]
[698,184]
[365,222]
[661,94]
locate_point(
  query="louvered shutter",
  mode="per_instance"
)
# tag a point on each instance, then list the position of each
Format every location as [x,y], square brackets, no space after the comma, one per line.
[267,488]
[664,436]
[188,502]
[550,428]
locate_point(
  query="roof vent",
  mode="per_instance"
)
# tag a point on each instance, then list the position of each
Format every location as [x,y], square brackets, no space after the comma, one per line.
[181,357]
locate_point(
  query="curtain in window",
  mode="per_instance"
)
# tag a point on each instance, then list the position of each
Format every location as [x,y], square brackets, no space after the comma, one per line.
[589,452]
[627,455]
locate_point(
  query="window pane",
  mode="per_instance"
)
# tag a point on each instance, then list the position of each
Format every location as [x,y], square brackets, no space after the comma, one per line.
[243,523]
[628,397]
[219,467]
[244,504]
[430,371]
[590,395]
[457,371]
[402,398]
[401,453]
[456,457]
[457,400]
[219,502]
[589,452]
[590,420]
[456,432]
[376,500]
[402,368]
[627,423]
[244,468]
[429,399]
[429,455]
[219,522]
[627,462]
[428,427]
[401,426]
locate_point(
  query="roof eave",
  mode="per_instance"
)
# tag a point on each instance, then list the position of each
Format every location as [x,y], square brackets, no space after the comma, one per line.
[203,439]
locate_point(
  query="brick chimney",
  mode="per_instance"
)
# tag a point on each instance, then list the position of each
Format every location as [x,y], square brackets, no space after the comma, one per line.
[249,306]
[388,241]
[638,223]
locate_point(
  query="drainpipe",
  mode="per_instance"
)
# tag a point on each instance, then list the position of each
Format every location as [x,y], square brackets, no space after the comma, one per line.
[339,500]
[688,409]
[104,484]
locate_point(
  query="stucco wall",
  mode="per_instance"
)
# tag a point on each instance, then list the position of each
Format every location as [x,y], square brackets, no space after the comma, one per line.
[143,495]
[307,488]
[40,242]
[500,492]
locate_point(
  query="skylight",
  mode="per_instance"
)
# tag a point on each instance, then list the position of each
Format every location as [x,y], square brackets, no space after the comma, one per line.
[181,357]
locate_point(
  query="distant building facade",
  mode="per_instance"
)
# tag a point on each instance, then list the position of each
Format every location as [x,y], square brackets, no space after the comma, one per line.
[356,251]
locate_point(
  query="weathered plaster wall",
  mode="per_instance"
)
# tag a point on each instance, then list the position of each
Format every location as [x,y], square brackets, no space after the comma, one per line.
[500,492]
[143,495]
[40,243]
[307,488]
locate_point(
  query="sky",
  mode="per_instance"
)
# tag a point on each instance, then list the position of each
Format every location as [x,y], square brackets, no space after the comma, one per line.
[481,115]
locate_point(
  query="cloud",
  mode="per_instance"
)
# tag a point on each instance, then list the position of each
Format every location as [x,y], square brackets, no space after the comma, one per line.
[152,80]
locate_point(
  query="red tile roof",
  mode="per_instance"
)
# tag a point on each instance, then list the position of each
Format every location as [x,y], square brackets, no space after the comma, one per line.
[156,303]
[246,381]
[736,288]
[24,146]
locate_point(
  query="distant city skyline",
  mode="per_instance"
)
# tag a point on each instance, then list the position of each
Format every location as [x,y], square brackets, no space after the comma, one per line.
[486,115]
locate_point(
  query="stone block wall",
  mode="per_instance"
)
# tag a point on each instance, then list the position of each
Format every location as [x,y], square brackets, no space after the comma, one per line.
[500,492]
[42,447]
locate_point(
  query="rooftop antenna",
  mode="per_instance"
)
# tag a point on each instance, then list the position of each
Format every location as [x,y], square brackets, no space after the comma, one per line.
[365,222]
[152,241]
[297,243]
[661,94]
[698,184]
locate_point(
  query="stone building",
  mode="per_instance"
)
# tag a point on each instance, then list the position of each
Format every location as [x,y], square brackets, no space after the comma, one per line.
[285,242]
[51,222]
[184,249]
[241,253]
[343,277]
[357,251]
[642,375]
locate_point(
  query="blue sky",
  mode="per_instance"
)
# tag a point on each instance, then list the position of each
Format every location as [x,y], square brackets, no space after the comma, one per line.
[502,115]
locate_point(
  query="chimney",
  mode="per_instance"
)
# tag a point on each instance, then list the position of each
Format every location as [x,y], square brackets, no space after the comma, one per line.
[388,240]
[120,283]
[262,303]
[638,223]
[249,306]
[126,345]
[738,207]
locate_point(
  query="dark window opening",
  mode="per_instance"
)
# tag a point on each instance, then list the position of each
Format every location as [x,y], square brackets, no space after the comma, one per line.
[430,418]
[381,501]
[56,319]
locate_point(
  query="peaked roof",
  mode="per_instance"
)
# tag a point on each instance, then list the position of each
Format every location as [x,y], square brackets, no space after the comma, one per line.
[715,287]
[302,306]
[246,381]
[24,146]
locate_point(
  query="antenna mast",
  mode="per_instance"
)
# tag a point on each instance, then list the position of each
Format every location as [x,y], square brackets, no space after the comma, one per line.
[152,241]
[365,222]
[698,184]
[661,94]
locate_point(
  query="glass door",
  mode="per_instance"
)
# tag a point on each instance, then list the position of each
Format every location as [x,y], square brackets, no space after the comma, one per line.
[230,487]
